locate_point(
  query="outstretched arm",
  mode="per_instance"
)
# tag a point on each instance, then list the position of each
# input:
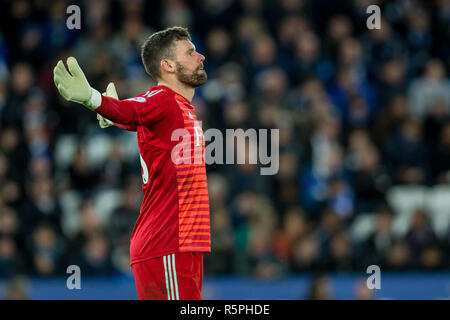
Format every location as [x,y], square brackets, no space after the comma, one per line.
[105,123]
[73,86]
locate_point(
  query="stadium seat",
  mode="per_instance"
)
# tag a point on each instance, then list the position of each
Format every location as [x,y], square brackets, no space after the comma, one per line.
[106,201]
[438,205]
[97,148]
[401,224]
[130,147]
[70,203]
[65,148]
[405,199]
[363,226]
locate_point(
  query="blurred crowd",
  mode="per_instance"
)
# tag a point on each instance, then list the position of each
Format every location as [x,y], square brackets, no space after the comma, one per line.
[359,111]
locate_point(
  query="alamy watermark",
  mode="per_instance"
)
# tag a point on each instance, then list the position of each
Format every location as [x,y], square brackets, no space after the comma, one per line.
[74,20]
[374,280]
[236,141]
[74,280]
[374,20]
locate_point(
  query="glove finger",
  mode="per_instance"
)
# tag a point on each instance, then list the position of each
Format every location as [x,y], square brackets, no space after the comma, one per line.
[101,119]
[61,70]
[57,79]
[111,91]
[102,122]
[74,68]
[62,91]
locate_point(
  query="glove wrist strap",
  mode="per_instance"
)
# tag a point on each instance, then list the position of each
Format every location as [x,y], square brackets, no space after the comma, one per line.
[95,101]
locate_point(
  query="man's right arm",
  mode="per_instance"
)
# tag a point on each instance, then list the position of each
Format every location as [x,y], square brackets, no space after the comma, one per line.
[105,123]
[118,111]
[74,87]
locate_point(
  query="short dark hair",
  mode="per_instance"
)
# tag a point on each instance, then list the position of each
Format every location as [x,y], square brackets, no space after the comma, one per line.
[159,46]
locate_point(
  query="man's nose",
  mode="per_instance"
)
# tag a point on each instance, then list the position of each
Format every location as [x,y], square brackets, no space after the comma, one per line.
[202,57]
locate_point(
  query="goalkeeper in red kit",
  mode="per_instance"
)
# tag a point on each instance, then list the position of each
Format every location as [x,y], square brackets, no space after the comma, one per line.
[173,228]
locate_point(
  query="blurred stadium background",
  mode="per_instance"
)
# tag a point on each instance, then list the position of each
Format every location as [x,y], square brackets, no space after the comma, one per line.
[364,168]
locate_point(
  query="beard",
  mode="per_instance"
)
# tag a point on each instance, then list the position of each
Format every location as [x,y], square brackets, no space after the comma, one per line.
[194,79]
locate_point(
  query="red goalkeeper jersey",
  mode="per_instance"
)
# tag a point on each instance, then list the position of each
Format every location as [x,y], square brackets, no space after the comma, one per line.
[174,215]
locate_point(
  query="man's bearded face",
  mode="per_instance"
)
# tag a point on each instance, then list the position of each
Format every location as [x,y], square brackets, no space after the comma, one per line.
[192,79]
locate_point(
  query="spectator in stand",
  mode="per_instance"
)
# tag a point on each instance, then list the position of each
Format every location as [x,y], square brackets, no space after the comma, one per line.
[340,256]
[406,154]
[95,257]
[121,223]
[392,78]
[10,262]
[398,257]
[83,177]
[218,48]
[294,228]
[220,260]
[362,292]
[114,170]
[306,254]
[389,119]
[330,225]
[375,248]
[47,250]
[422,240]
[320,288]
[431,87]
[17,288]
[370,179]
[440,159]
[42,205]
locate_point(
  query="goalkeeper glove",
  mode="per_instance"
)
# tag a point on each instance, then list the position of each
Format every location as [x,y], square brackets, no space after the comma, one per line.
[74,86]
[110,92]
[103,122]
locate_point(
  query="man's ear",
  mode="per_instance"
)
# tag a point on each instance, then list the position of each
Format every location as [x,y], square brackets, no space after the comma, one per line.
[167,65]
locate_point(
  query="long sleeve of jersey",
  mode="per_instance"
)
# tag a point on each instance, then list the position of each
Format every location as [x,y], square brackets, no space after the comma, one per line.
[133,112]
[126,127]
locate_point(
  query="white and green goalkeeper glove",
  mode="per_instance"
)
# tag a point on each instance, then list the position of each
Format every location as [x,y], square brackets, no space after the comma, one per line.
[110,92]
[74,86]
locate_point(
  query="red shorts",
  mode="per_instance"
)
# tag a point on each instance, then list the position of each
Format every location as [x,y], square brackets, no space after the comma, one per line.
[176,276]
